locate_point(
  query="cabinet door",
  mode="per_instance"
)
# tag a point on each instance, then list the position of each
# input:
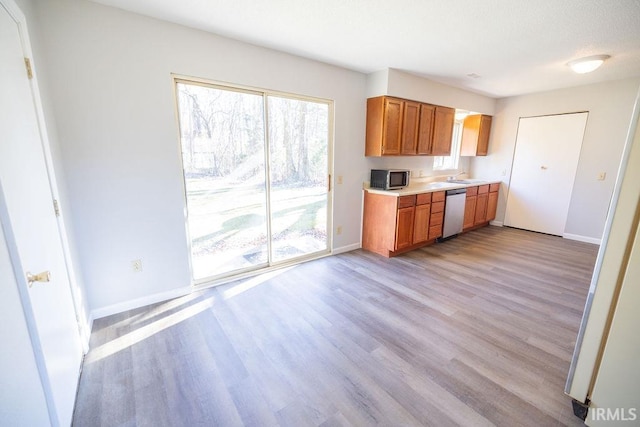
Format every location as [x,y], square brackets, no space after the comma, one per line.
[410,120]
[425,129]
[492,206]
[392,126]
[470,211]
[442,131]
[481,208]
[421,223]
[404,227]
[483,136]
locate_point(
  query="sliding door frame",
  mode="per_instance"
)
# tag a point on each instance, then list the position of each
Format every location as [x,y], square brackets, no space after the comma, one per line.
[270,265]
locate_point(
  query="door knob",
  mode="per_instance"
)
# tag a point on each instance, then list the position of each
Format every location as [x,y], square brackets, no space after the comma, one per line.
[45,276]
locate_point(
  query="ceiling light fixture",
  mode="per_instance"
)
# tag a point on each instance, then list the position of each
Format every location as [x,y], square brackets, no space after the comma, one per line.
[587,64]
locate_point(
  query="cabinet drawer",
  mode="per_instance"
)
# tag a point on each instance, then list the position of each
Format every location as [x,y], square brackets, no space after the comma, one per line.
[436,219]
[483,189]
[423,199]
[435,231]
[438,196]
[494,187]
[406,201]
[437,207]
[472,191]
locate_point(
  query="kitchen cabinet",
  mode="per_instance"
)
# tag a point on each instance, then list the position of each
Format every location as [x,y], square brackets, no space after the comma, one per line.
[384,126]
[425,129]
[437,214]
[470,208]
[392,225]
[422,217]
[492,205]
[475,135]
[442,131]
[404,221]
[481,205]
[402,127]
[410,122]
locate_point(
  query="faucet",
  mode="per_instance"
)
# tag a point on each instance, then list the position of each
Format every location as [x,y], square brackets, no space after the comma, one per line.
[452,177]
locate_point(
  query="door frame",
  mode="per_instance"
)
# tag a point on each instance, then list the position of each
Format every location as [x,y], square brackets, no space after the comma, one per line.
[252,271]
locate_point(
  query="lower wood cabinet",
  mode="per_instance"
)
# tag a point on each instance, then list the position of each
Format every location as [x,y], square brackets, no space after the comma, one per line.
[437,215]
[470,208]
[404,227]
[492,206]
[392,225]
[421,220]
[481,205]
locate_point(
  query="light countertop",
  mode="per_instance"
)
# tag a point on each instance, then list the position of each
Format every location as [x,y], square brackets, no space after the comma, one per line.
[429,187]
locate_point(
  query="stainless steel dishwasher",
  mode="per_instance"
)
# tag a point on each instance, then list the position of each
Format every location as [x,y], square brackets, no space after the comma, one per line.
[453,213]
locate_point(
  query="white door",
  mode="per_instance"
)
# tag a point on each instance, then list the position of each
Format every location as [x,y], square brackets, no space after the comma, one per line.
[28,197]
[544,169]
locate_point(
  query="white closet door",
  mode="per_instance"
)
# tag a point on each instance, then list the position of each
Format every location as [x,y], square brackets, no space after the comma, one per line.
[544,169]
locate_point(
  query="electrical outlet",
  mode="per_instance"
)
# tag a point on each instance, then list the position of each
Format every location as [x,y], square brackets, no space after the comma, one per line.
[602,176]
[339,179]
[339,229]
[136,265]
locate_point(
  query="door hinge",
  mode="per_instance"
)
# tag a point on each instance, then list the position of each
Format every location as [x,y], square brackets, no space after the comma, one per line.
[56,207]
[27,64]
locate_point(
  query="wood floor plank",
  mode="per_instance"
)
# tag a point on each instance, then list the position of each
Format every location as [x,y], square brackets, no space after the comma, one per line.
[476,331]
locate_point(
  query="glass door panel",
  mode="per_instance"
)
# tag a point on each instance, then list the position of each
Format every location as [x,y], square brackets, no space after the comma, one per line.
[298,176]
[223,153]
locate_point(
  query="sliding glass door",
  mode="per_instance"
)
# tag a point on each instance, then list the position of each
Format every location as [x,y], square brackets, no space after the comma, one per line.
[256,169]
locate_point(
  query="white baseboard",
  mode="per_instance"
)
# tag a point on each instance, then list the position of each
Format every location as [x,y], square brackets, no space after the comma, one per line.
[137,303]
[347,248]
[497,223]
[585,239]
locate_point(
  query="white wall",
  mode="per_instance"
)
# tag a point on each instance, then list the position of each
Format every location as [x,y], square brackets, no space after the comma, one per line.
[410,86]
[109,75]
[609,105]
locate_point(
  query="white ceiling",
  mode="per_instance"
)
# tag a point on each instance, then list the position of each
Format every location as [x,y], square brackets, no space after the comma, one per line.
[515,46]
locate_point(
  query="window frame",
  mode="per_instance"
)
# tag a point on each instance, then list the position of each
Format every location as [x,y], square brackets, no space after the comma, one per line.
[265,93]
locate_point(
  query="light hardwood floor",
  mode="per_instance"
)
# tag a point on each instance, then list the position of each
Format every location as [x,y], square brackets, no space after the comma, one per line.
[476,331]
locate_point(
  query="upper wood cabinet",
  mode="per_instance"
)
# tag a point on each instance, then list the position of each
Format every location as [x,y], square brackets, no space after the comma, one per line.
[425,129]
[410,122]
[401,127]
[384,126]
[442,131]
[475,135]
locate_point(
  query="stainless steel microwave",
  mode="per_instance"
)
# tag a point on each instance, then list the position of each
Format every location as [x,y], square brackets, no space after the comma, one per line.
[389,179]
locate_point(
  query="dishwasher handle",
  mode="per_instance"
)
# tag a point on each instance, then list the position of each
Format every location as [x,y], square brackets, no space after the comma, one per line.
[456,191]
